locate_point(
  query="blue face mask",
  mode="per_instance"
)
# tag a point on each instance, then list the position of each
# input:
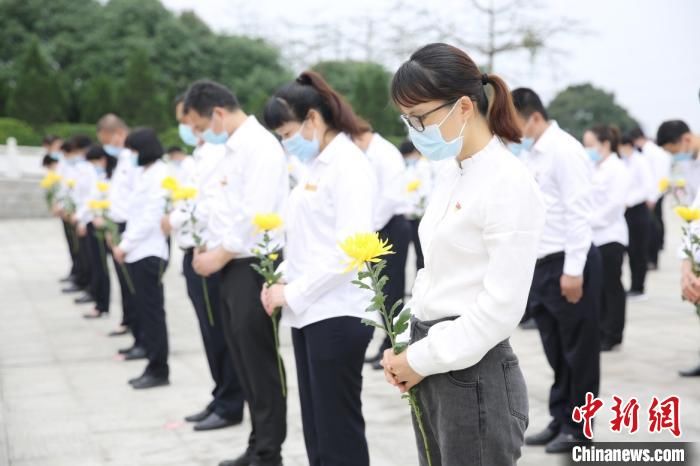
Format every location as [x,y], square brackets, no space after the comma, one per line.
[682,157]
[432,145]
[134,157]
[112,150]
[215,138]
[527,143]
[58,155]
[411,161]
[100,170]
[187,135]
[515,148]
[593,154]
[304,150]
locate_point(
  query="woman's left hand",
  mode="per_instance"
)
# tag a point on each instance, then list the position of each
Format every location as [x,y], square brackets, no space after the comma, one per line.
[273,297]
[397,365]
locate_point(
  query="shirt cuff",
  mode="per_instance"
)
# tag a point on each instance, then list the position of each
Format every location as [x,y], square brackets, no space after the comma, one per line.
[177,219]
[296,301]
[126,245]
[574,266]
[234,246]
[420,358]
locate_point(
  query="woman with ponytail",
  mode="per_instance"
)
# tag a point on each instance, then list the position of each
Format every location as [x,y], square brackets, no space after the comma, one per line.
[332,201]
[479,235]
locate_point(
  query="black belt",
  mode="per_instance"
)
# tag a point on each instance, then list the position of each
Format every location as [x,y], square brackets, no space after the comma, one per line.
[550,258]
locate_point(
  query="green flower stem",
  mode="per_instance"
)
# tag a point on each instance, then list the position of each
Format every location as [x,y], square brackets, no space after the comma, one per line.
[101,242]
[280,363]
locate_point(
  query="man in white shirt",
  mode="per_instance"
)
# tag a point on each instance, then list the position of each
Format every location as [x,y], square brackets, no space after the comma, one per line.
[675,137]
[255,180]
[180,165]
[660,162]
[187,219]
[388,219]
[112,132]
[566,290]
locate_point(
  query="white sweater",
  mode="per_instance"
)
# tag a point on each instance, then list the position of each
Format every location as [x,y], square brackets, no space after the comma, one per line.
[480,236]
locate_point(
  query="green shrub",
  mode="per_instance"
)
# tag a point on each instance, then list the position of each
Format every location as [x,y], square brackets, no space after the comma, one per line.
[66,130]
[25,134]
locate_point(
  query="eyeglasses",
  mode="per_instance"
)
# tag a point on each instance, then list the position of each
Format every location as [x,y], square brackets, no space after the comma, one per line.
[417,121]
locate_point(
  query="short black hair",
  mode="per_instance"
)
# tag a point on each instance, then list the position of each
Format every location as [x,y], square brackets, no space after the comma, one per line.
[528,102]
[406,147]
[202,96]
[671,131]
[47,161]
[66,147]
[80,142]
[635,133]
[96,152]
[49,139]
[145,141]
[172,149]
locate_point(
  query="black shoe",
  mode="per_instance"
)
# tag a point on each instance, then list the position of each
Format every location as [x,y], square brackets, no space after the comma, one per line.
[652,267]
[375,358]
[72,288]
[67,279]
[543,437]
[243,460]
[135,353]
[214,421]
[200,416]
[528,324]
[607,346]
[564,443]
[136,379]
[95,314]
[125,350]
[694,372]
[149,381]
[377,365]
[84,299]
[119,332]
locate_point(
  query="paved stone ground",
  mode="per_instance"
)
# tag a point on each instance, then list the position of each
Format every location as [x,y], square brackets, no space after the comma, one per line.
[64,399]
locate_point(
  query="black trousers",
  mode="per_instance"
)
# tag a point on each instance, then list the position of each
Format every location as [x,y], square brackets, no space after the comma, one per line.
[227,395]
[84,271]
[149,329]
[638,220]
[329,356]
[570,335]
[398,233]
[72,241]
[613,303]
[420,263]
[125,292]
[657,232]
[100,273]
[248,332]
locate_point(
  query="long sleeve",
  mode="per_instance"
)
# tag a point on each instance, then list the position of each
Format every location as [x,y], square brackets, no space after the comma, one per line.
[85,190]
[575,188]
[146,218]
[512,221]
[352,197]
[615,187]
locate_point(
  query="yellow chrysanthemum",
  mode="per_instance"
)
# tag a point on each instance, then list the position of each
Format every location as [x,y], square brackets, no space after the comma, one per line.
[413,186]
[679,183]
[184,193]
[267,222]
[94,204]
[169,183]
[364,247]
[50,180]
[273,256]
[687,213]
[663,185]
[70,183]
[102,186]
[105,204]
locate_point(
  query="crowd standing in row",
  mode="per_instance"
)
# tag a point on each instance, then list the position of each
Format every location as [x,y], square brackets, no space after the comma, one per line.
[520,223]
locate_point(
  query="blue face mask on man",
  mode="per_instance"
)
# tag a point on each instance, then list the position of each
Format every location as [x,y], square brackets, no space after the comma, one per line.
[302,148]
[112,150]
[56,155]
[594,154]
[215,138]
[432,145]
[187,135]
[682,157]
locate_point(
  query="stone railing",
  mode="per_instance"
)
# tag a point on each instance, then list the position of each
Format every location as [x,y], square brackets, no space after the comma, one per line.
[20,171]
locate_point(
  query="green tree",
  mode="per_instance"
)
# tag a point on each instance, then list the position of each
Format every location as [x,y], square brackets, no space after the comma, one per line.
[97,98]
[140,101]
[37,97]
[581,106]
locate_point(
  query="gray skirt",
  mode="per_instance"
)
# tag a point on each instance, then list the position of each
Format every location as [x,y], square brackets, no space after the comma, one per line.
[475,416]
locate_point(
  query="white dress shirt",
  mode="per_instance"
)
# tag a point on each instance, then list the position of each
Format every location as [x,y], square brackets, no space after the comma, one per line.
[143,236]
[660,163]
[205,178]
[255,180]
[390,169]
[297,170]
[479,234]
[610,184]
[416,201]
[563,170]
[689,171]
[181,170]
[85,214]
[121,187]
[85,185]
[334,202]
[641,187]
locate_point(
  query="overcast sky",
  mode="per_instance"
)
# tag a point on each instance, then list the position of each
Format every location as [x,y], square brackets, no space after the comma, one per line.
[645,51]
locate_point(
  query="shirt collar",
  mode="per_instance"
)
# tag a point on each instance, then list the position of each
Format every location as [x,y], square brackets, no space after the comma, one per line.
[242,133]
[337,142]
[547,138]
